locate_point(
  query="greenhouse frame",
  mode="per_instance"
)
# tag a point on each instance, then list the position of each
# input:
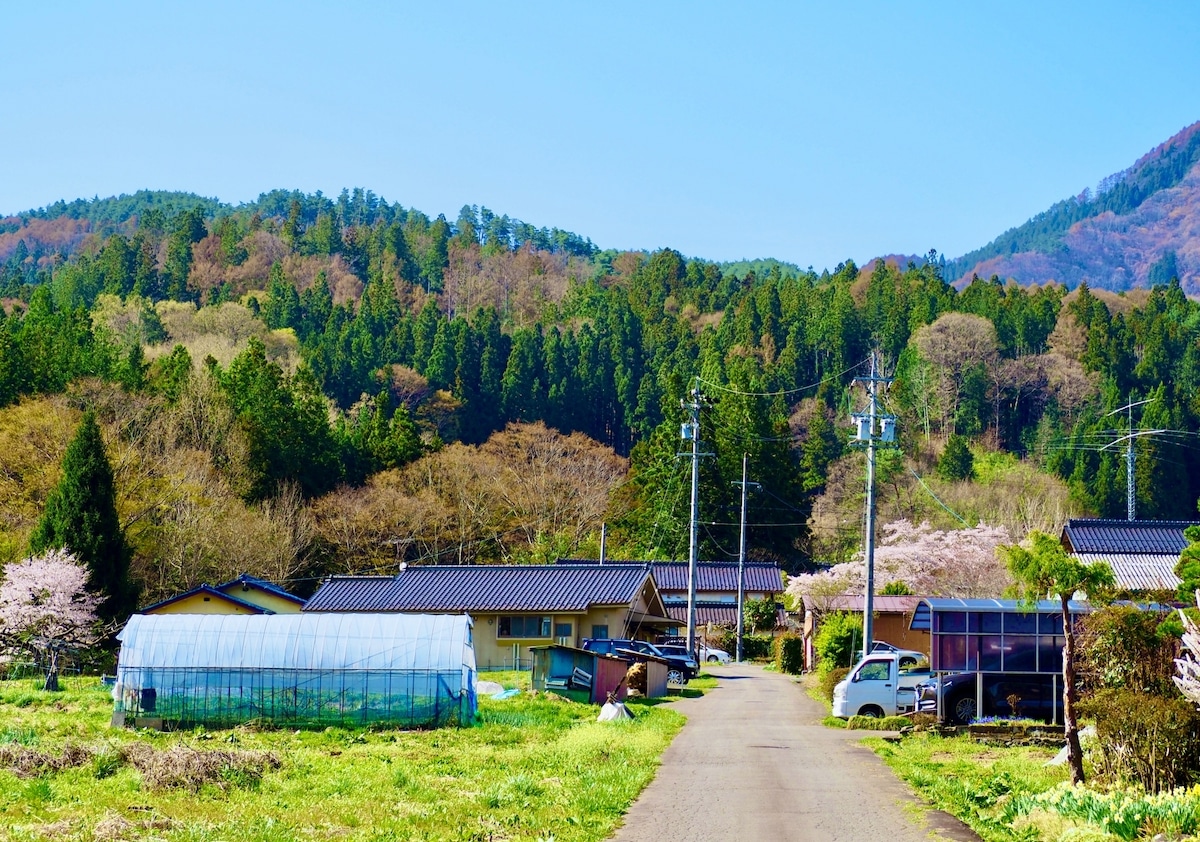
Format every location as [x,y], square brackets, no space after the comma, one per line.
[298,670]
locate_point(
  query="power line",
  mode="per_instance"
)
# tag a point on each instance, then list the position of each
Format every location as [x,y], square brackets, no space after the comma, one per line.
[783,392]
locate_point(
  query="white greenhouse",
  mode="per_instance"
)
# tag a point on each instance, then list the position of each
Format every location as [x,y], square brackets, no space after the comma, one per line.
[305,670]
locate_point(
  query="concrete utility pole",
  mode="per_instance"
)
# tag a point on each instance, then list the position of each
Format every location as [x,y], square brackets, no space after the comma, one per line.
[741,597]
[691,431]
[871,427]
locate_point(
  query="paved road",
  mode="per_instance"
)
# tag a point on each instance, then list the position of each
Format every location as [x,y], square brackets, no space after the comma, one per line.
[754,763]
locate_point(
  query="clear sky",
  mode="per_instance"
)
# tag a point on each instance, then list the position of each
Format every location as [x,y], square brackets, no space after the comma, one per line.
[810,132]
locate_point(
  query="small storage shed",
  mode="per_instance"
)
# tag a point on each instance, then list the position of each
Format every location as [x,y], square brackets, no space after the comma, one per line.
[307,670]
[578,674]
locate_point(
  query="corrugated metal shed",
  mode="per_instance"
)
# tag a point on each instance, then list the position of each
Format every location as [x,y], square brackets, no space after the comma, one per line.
[1138,537]
[761,577]
[1139,572]
[484,588]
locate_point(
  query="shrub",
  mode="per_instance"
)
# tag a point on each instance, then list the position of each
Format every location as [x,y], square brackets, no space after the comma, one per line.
[876,723]
[755,647]
[1121,647]
[789,653]
[1144,739]
[760,614]
[830,679]
[837,639]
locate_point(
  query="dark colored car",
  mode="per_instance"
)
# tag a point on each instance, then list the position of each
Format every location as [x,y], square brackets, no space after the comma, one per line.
[680,668]
[1037,696]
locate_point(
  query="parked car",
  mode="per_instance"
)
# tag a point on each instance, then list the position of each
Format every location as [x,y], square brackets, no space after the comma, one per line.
[908,657]
[706,653]
[1038,696]
[680,668]
[877,686]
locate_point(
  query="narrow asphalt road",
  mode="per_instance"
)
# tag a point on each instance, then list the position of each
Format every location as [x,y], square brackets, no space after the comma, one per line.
[754,762]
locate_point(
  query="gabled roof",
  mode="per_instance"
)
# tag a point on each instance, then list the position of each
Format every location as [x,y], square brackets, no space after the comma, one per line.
[248,581]
[1138,571]
[710,575]
[1141,537]
[212,593]
[485,588]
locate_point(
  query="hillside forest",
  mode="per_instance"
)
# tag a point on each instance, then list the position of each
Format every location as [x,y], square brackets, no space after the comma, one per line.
[303,386]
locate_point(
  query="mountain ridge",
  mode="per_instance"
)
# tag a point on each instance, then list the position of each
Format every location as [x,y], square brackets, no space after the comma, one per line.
[1139,228]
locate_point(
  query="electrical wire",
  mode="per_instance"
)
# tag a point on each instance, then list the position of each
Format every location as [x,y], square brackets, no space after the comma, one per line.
[937,499]
[782,392]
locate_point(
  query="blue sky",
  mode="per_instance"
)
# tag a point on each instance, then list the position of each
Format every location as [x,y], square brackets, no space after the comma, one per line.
[810,132]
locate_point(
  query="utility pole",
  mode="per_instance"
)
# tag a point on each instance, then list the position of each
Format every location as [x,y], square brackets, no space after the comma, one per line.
[1130,485]
[691,431]
[741,597]
[871,427]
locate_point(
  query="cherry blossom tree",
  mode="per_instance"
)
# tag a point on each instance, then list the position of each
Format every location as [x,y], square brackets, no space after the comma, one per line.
[46,610]
[950,563]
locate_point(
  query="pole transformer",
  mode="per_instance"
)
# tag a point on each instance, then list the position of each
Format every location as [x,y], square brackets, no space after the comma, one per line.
[871,427]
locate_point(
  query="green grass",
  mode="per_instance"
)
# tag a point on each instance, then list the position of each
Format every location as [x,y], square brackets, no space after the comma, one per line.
[531,768]
[971,781]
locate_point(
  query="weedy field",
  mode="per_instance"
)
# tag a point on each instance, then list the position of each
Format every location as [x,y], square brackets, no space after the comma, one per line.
[532,768]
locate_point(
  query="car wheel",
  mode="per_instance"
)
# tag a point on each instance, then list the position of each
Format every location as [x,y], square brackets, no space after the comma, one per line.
[712,659]
[963,710]
[676,677]
[907,662]
[873,711]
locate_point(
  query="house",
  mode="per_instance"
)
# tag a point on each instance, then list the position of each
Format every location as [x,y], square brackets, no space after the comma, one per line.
[513,607]
[716,587]
[1141,553]
[893,621]
[243,595]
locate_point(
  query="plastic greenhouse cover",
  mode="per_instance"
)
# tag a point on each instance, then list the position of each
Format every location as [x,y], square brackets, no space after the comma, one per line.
[341,641]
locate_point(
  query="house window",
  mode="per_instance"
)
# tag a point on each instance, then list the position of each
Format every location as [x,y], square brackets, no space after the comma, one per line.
[563,630]
[523,626]
[600,632]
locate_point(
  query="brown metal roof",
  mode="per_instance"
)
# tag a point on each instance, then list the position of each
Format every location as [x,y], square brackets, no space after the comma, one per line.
[485,588]
[854,602]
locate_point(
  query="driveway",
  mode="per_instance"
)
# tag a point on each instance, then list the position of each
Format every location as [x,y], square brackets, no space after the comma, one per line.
[755,763]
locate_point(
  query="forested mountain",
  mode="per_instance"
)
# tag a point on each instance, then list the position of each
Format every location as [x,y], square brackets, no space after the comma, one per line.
[1138,228]
[306,385]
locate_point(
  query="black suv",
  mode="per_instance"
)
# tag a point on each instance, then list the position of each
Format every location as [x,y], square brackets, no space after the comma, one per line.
[680,668]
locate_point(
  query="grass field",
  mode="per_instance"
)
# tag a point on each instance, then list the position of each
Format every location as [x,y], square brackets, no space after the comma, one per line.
[532,768]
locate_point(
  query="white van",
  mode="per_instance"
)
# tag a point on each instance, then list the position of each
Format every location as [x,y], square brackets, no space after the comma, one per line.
[877,686]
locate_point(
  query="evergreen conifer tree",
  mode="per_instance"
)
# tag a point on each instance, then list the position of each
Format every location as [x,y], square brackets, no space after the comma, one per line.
[956,462]
[81,517]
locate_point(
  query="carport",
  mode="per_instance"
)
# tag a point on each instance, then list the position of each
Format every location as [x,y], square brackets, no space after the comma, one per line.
[996,637]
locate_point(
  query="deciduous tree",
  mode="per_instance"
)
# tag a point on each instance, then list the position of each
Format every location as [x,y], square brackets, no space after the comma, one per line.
[46,610]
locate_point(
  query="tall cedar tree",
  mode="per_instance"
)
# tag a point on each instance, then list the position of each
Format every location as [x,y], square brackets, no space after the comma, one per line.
[1045,569]
[81,517]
